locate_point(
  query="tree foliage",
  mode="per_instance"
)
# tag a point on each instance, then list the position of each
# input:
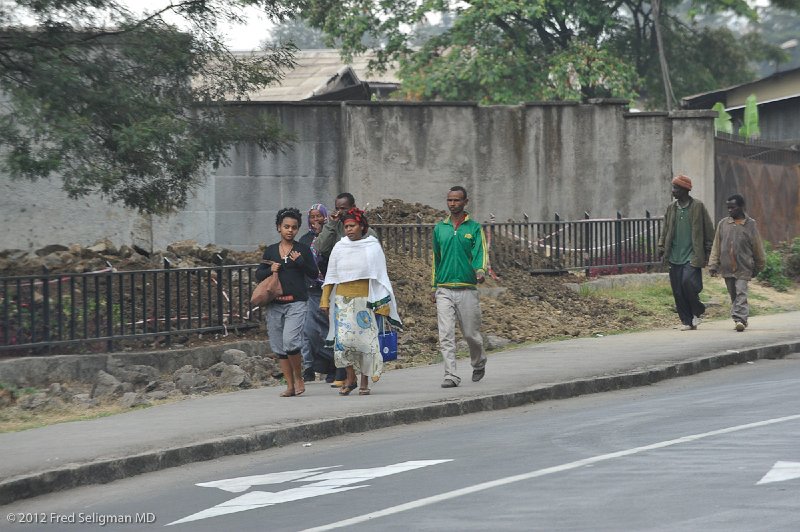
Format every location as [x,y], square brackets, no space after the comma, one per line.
[722,123]
[749,129]
[507,51]
[296,32]
[129,106]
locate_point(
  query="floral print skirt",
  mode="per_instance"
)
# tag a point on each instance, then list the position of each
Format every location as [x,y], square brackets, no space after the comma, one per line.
[356,340]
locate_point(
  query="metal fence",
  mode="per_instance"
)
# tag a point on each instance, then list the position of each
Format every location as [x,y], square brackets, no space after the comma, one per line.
[597,246]
[767,151]
[102,310]
[109,310]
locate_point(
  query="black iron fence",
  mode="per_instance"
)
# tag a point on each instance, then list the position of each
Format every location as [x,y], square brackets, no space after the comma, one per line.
[597,246]
[108,310]
[102,310]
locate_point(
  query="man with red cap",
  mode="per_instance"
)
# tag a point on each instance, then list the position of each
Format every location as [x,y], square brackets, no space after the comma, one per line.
[685,243]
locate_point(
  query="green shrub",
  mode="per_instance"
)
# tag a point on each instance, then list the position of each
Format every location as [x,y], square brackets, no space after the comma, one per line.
[792,266]
[773,275]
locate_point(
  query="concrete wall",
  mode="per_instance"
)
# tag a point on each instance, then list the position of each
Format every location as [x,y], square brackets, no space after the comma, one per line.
[249,192]
[693,151]
[537,159]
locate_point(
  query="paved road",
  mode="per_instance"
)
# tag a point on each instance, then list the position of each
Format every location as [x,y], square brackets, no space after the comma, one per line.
[685,454]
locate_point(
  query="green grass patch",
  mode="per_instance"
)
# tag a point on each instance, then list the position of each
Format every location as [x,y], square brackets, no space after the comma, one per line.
[657,306]
[655,298]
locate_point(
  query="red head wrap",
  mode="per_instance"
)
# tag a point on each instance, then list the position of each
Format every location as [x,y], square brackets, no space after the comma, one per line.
[359,216]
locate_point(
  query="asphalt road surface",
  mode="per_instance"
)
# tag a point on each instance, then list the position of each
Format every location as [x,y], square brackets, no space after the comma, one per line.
[714,452]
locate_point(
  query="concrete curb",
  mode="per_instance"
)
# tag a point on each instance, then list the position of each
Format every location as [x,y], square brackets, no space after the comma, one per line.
[104,471]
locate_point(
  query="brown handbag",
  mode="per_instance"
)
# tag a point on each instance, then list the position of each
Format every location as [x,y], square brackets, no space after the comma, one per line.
[266,291]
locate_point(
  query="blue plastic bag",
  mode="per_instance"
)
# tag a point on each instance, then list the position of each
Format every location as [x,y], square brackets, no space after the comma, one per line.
[387,340]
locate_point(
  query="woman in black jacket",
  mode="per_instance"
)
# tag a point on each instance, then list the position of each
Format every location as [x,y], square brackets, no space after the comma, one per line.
[292,262]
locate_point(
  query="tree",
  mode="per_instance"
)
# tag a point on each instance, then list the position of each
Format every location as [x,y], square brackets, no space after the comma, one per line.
[298,33]
[722,123]
[506,51]
[779,27]
[749,129]
[127,105]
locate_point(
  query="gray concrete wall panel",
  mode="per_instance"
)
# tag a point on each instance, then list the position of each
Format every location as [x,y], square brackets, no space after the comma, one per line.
[537,159]
[693,152]
[35,214]
[647,150]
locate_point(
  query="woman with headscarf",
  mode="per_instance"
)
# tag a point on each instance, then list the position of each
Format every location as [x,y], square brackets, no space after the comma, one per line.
[316,356]
[356,288]
[292,262]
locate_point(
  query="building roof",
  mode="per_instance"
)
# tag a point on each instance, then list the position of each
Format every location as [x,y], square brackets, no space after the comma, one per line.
[318,71]
[775,87]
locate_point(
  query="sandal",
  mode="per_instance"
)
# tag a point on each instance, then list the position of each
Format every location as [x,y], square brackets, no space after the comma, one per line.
[288,393]
[299,387]
[363,391]
[347,388]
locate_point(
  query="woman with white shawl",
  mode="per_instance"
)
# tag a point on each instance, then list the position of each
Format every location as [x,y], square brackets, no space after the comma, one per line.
[356,289]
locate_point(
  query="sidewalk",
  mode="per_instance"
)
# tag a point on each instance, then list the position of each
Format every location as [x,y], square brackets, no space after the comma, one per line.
[101,450]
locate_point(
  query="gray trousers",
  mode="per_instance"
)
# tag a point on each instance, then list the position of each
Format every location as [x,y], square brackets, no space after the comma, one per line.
[285,327]
[462,305]
[737,289]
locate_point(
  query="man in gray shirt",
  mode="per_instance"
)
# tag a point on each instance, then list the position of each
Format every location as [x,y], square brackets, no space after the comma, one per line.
[333,230]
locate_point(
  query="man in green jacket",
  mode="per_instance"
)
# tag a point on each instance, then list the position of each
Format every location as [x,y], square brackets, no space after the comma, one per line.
[685,243]
[737,255]
[459,264]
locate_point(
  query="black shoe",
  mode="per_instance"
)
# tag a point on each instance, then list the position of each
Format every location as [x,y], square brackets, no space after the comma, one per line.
[330,377]
[309,375]
[478,374]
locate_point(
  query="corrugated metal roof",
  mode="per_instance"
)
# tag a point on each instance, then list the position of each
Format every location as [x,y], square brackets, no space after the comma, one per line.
[314,69]
[701,100]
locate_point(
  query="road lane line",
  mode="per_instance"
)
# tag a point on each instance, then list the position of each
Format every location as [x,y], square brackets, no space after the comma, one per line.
[427,501]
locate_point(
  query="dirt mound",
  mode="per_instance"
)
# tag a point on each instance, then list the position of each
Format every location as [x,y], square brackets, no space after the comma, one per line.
[517,308]
[395,211]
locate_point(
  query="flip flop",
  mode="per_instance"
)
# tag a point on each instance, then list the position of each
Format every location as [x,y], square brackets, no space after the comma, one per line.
[287,393]
[299,387]
[347,388]
[363,391]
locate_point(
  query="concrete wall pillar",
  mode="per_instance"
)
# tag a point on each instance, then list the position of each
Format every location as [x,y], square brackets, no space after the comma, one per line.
[693,152]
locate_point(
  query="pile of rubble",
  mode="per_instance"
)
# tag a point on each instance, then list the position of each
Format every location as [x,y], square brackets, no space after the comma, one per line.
[395,211]
[74,258]
[135,385]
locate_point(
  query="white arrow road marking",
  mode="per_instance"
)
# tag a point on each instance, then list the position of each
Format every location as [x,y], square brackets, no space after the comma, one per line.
[419,503]
[323,484]
[240,484]
[781,471]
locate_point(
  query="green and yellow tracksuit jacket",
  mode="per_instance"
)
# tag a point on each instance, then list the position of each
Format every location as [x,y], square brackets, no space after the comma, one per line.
[458,254]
